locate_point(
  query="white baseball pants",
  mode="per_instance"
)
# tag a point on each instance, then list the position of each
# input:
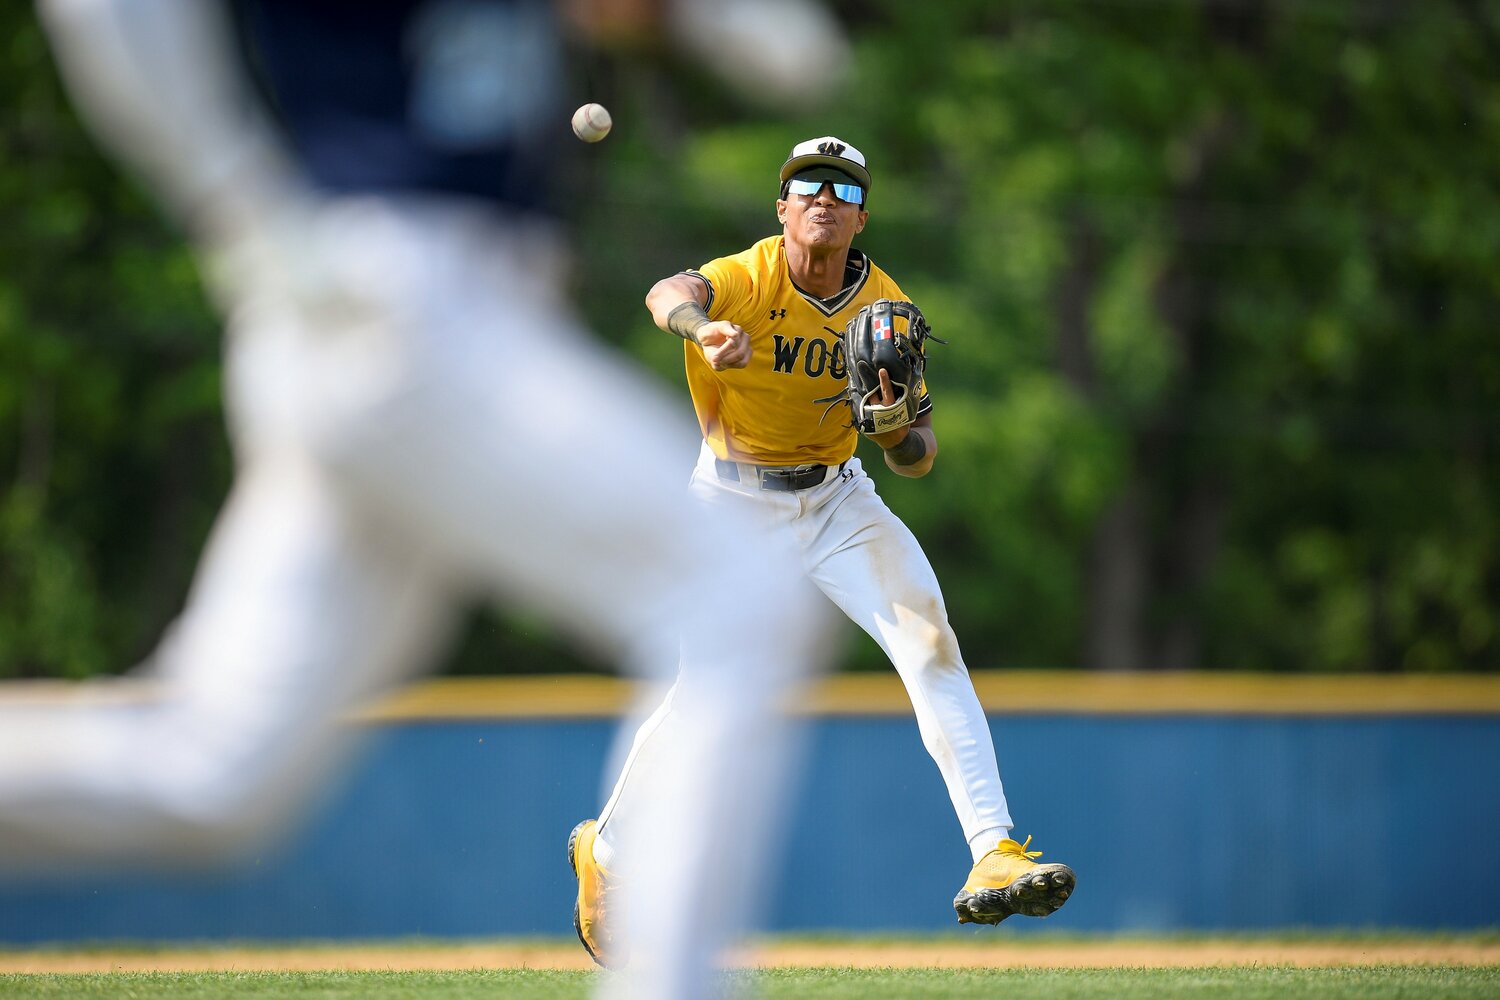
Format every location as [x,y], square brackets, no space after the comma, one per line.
[865,559]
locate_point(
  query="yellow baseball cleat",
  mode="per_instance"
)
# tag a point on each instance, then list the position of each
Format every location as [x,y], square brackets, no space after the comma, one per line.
[1007,881]
[594,884]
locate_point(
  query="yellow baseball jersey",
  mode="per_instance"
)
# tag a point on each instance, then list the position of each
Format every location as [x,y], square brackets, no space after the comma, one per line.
[767,413]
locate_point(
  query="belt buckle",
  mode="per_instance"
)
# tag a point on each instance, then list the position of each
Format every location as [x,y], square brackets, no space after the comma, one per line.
[790,480]
[776,480]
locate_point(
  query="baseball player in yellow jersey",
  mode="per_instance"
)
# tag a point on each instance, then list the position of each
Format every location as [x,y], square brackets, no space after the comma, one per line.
[763,355]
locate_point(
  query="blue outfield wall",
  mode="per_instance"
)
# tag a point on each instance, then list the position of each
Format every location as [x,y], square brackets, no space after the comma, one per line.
[1174,823]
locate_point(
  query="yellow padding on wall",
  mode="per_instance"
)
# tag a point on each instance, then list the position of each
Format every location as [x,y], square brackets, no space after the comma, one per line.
[1015,692]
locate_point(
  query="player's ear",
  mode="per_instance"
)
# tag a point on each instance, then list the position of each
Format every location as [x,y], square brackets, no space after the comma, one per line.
[781,211]
[860,222]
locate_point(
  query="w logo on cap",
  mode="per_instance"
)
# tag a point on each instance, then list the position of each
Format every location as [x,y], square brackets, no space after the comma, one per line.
[831,148]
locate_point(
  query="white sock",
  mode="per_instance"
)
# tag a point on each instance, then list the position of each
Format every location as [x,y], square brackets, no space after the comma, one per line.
[980,844]
[604,855]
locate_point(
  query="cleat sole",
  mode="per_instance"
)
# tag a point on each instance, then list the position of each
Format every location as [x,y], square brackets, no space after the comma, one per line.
[573,846]
[1038,893]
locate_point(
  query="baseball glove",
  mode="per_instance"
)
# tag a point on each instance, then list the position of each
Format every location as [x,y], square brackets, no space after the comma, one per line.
[875,339]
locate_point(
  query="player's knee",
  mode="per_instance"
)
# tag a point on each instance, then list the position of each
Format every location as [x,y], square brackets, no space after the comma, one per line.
[211,840]
[219,807]
[929,657]
[217,821]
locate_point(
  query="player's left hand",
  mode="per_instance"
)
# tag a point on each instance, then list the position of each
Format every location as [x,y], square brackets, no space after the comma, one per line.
[888,398]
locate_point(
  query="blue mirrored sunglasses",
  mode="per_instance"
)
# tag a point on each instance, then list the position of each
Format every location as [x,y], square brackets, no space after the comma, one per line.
[852,193]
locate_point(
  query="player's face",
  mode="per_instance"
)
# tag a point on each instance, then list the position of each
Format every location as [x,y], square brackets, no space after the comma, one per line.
[820,221]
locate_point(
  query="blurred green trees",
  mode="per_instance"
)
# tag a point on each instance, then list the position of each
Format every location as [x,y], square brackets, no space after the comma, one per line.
[112,458]
[1220,280]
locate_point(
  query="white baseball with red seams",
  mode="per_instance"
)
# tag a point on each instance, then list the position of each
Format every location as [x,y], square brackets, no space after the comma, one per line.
[592,122]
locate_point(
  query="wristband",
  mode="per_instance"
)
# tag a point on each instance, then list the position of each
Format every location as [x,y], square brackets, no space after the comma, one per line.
[911,450]
[686,319]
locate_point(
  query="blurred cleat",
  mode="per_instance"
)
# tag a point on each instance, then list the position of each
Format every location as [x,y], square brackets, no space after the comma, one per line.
[594,884]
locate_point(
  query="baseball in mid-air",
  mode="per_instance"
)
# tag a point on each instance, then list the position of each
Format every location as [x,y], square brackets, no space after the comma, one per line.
[592,122]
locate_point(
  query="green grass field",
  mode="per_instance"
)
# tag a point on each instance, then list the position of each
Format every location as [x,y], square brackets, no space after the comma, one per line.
[1409,982]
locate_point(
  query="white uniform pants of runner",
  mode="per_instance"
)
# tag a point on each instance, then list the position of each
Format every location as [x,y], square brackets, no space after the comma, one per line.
[416,417]
[866,560]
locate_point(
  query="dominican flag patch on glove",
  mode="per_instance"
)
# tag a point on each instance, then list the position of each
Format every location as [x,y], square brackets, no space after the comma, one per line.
[881,327]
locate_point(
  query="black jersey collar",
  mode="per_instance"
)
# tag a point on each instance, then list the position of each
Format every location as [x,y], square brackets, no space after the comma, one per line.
[856,273]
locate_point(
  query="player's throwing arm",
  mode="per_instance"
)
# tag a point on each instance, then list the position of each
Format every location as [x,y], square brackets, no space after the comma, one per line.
[676,303]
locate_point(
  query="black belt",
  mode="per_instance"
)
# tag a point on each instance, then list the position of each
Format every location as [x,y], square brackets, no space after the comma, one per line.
[781,480]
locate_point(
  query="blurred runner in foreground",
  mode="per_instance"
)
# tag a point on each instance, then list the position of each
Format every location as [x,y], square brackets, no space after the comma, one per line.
[416,417]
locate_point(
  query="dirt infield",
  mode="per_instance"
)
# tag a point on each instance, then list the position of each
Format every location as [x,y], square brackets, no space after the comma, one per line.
[1011,953]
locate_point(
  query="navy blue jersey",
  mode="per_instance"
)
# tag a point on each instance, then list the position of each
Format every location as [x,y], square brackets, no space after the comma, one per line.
[453,97]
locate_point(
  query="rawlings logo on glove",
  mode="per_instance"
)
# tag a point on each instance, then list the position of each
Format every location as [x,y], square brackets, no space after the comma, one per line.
[890,335]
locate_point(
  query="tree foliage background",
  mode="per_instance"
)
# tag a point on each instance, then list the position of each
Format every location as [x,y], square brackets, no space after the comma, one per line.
[1220,280]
